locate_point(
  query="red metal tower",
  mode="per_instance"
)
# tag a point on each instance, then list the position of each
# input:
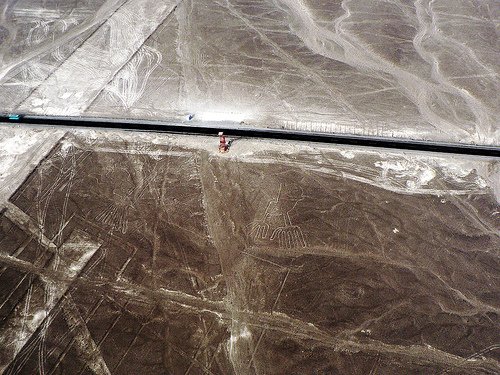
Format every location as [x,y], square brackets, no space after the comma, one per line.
[223,147]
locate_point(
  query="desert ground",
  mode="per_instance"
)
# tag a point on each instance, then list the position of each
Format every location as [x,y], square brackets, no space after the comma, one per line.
[153,253]
[425,69]
[130,253]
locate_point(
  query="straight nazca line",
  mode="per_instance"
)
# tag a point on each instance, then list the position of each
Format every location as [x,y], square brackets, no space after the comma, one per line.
[78,81]
[68,273]
[275,321]
[24,222]
[33,309]
[10,69]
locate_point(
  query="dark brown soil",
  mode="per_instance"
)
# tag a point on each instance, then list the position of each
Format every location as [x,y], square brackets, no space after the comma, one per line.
[204,264]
